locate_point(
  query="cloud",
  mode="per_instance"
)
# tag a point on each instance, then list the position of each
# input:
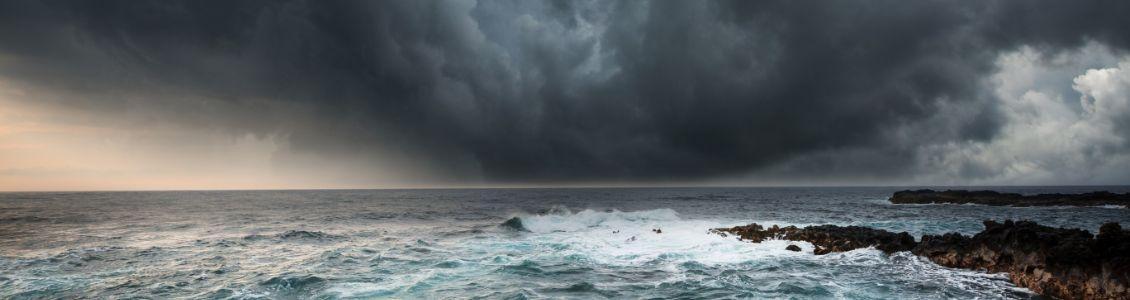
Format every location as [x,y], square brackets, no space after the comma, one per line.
[1064,123]
[569,91]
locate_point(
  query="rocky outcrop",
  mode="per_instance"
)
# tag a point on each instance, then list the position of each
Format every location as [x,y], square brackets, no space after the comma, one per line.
[1009,199]
[1064,263]
[1057,262]
[826,238]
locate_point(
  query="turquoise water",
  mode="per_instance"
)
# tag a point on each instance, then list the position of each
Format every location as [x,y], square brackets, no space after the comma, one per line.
[484,243]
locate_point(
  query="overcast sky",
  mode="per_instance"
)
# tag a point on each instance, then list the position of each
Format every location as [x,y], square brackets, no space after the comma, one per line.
[337,94]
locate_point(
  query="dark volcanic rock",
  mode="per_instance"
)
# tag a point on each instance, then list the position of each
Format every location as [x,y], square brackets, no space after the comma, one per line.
[793,248]
[827,238]
[1009,199]
[1063,263]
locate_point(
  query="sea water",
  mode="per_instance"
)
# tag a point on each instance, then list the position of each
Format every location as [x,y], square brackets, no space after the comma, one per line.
[486,244]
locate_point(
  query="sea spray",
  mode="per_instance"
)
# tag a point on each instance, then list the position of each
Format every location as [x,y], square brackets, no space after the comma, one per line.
[485,243]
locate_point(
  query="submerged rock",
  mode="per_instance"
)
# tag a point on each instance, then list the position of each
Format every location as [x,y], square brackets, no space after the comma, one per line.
[794,248]
[1009,199]
[1057,262]
[515,224]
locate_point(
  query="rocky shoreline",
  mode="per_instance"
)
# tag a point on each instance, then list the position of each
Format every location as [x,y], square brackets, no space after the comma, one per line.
[1009,199]
[1056,262]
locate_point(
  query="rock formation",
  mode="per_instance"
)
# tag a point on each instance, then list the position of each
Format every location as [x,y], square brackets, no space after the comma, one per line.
[826,238]
[1063,263]
[1009,199]
[1057,262]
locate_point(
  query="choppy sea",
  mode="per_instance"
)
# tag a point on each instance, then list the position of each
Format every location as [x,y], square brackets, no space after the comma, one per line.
[485,244]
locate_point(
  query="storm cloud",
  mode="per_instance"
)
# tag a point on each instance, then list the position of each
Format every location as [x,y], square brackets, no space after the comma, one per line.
[592,91]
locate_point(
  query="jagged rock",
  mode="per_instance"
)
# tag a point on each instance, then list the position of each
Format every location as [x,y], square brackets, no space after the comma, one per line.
[1063,263]
[1057,262]
[1009,199]
[827,238]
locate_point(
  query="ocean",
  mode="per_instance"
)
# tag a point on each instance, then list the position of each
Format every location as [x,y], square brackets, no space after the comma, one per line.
[487,244]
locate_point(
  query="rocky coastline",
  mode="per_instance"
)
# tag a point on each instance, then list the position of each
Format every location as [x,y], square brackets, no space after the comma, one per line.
[994,198]
[1055,262]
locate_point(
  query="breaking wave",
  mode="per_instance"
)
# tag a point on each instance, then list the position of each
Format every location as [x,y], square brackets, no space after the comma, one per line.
[561,219]
[651,243]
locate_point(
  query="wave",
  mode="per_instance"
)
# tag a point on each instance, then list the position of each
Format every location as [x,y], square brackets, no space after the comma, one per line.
[302,234]
[583,288]
[293,286]
[296,235]
[623,238]
[515,224]
[561,219]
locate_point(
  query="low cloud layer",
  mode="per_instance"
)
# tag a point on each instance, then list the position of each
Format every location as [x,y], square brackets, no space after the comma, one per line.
[515,92]
[1065,121]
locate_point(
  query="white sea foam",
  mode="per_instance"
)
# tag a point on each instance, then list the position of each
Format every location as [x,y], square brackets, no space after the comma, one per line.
[450,247]
[605,238]
[563,220]
[627,238]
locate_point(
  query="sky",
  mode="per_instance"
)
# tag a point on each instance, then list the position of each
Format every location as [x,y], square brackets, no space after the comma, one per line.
[123,95]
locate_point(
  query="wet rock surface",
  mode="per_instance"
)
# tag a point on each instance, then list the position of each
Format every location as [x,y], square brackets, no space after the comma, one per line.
[1064,263]
[1009,199]
[1057,262]
[826,238]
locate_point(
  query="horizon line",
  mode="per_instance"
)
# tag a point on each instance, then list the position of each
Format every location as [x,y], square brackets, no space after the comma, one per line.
[535,187]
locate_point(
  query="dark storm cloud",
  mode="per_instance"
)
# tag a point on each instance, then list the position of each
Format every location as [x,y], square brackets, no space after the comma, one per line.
[514,91]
